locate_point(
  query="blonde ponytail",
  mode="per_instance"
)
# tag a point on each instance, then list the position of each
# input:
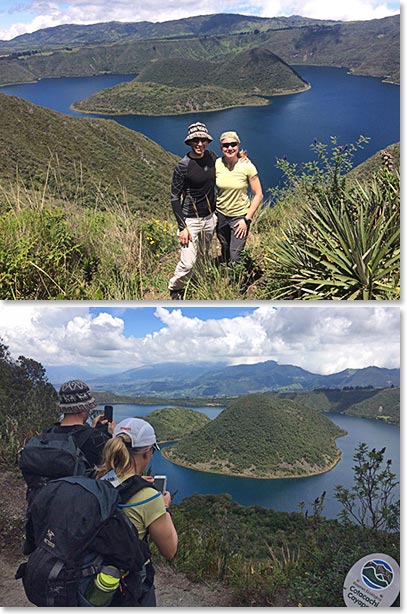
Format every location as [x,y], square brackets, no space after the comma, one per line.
[117,456]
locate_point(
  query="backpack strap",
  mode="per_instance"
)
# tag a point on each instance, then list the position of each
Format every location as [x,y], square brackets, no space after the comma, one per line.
[82,435]
[123,505]
[131,486]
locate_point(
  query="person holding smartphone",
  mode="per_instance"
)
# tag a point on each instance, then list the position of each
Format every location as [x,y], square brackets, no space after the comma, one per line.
[128,454]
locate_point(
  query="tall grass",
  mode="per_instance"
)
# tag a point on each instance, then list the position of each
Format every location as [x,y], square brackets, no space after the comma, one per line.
[324,238]
[58,250]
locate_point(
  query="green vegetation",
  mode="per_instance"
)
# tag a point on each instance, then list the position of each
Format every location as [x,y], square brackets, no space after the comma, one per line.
[370,502]
[170,424]
[28,403]
[261,435]
[78,200]
[380,404]
[179,85]
[86,161]
[340,238]
[137,98]
[114,31]
[385,405]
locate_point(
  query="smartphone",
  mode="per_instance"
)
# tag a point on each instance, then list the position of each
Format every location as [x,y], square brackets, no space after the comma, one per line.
[108,413]
[160,482]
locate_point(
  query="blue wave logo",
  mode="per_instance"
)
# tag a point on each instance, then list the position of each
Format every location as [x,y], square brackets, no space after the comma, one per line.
[377,574]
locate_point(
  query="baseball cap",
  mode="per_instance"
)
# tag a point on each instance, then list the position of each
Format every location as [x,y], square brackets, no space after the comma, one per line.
[140,432]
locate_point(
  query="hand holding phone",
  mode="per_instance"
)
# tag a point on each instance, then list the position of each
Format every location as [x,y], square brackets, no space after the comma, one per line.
[108,413]
[160,483]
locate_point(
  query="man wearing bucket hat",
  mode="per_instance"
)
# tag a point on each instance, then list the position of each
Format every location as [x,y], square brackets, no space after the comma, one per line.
[75,403]
[193,202]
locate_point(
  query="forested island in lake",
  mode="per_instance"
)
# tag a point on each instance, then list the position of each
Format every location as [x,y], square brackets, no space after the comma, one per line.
[261,436]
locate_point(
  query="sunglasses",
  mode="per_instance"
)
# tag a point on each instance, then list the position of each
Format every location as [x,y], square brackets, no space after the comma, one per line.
[199,140]
[227,145]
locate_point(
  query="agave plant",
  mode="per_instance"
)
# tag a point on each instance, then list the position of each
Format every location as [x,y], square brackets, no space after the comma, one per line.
[343,247]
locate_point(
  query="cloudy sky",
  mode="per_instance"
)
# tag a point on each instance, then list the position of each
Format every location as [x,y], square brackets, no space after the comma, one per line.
[105,339]
[21,16]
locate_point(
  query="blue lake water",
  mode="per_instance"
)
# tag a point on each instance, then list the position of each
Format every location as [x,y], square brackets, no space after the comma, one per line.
[338,104]
[280,494]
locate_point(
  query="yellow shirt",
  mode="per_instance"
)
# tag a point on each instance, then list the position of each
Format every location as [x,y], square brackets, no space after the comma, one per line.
[146,507]
[232,199]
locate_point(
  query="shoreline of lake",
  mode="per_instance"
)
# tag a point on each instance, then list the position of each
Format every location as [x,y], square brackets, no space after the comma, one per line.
[257,477]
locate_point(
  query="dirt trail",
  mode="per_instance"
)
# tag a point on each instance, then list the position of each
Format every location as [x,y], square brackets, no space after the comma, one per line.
[173,589]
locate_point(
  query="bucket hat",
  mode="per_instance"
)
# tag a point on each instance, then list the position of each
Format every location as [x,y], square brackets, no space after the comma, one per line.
[75,397]
[197,131]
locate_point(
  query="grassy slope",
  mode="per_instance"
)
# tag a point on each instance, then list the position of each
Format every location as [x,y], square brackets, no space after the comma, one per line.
[88,155]
[262,436]
[155,99]
[365,170]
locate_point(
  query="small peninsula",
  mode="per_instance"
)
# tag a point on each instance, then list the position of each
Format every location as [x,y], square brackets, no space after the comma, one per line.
[262,436]
[177,85]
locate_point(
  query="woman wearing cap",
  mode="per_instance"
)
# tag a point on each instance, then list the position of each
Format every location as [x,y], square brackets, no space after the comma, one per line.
[234,208]
[193,202]
[128,454]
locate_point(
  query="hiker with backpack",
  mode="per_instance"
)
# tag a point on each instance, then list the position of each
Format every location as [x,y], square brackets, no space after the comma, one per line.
[90,536]
[70,447]
[127,456]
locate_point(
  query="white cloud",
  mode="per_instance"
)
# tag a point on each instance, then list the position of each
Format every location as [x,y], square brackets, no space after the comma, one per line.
[346,10]
[319,339]
[43,14]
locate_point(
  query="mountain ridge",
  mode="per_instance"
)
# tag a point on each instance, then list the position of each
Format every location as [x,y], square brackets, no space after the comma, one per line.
[322,43]
[260,377]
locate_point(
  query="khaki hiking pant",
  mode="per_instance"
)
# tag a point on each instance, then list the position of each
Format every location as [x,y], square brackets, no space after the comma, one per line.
[202,230]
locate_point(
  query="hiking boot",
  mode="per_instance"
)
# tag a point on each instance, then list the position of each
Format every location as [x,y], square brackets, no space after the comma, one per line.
[177,295]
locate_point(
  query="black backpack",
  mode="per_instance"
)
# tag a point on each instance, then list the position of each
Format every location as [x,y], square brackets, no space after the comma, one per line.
[53,455]
[77,529]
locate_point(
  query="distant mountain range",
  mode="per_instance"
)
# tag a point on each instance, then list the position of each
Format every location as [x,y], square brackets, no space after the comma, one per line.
[203,379]
[115,31]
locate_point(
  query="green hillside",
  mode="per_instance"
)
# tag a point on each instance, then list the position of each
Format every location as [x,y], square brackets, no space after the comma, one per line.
[382,404]
[179,85]
[262,436]
[385,405]
[365,170]
[80,158]
[172,423]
